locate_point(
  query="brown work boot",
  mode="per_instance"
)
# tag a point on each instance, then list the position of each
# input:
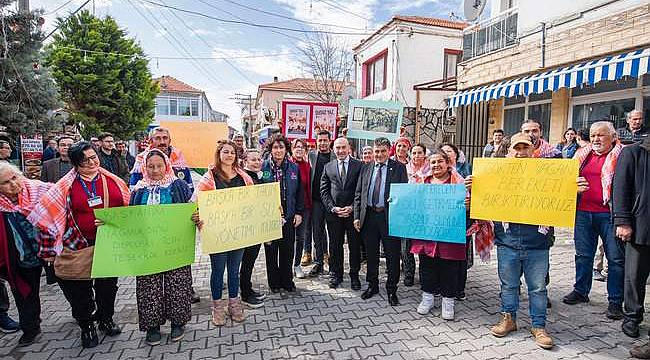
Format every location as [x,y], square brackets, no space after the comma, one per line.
[236,310]
[219,312]
[542,338]
[641,351]
[306,259]
[505,326]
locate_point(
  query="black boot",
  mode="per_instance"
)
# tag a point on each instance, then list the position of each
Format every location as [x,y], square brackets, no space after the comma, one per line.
[89,336]
[109,328]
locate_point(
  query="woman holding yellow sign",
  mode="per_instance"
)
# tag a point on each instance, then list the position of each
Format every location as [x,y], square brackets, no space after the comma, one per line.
[166,295]
[224,173]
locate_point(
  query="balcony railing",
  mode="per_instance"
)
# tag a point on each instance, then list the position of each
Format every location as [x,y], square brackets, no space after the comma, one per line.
[490,35]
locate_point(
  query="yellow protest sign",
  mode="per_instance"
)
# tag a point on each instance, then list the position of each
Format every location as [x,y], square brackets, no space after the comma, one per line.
[525,191]
[197,140]
[239,217]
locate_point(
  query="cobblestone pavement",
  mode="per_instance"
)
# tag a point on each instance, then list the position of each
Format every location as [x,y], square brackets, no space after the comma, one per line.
[321,323]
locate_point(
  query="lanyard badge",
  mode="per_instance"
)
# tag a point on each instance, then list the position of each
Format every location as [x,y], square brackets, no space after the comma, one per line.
[93,198]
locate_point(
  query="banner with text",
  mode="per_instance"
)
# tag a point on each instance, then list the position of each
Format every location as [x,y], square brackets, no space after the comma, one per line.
[427,212]
[525,191]
[197,140]
[239,217]
[143,240]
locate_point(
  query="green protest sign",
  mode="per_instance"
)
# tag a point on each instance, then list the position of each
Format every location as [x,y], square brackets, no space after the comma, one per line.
[143,240]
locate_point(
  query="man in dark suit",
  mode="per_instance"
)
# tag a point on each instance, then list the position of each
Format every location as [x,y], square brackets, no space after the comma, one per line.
[371,217]
[317,161]
[54,169]
[338,186]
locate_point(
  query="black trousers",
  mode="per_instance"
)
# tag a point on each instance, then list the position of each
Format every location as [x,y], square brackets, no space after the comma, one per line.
[319,243]
[440,276]
[408,260]
[4,297]
[338,227]
[637,269]
[279,259]
[374,232]
[246,270]
[86,296]
[29,308]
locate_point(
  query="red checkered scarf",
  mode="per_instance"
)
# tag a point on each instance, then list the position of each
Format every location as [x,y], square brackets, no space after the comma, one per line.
[607,172]
[546,150]
[175,157]
[50,214]
[207,181]
[146,181]
[32,191]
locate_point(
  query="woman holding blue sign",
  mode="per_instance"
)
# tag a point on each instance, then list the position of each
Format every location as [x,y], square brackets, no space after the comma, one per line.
[223,174]
[440,262]
[166,295]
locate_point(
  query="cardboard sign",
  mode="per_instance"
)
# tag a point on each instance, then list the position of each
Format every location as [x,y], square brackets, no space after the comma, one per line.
[197,140]
[525,191]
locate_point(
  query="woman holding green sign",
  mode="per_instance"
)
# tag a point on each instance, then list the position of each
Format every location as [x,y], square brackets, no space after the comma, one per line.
[163,296]
[224,173]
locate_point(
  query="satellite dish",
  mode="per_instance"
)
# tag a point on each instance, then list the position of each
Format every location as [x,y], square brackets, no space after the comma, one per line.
[473,8]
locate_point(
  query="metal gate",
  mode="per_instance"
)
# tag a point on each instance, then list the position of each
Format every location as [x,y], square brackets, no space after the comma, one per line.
[472,129]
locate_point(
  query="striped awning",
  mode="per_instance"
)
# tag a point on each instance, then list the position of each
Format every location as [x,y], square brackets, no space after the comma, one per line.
[633,64]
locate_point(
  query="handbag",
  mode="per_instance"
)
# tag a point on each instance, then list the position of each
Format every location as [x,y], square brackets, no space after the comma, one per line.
[77,264]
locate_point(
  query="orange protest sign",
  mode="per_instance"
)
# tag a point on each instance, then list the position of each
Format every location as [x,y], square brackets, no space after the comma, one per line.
[197,140]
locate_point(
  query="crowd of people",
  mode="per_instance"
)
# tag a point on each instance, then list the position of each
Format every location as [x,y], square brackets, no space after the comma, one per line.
[330,197]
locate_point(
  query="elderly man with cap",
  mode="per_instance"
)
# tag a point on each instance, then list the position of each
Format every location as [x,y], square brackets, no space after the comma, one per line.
[523,249]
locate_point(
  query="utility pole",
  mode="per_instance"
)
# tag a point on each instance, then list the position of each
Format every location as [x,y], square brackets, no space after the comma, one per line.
[23,6]
[246,100]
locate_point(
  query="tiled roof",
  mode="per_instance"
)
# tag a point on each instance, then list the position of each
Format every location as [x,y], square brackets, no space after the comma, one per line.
[432,21]
[298,85]
[171,84]
[421,20]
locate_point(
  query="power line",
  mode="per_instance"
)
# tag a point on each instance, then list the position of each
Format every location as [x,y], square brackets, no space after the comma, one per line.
[196,64]
[164,57]
[69,16]
[59,8]
[247,23]
[339,6]
[289,17]
[233,66]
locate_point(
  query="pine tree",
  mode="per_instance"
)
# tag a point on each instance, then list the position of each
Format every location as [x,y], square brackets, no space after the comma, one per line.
[102,76]
[27,92]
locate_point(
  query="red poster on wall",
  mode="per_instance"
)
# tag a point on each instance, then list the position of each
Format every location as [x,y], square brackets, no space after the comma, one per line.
[303,120]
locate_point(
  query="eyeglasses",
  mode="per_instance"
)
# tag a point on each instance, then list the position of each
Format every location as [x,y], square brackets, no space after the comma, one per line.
[89,160]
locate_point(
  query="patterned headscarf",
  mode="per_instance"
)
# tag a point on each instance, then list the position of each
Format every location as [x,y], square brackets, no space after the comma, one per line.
[168,178]
[32,191]
[607,172]
[175,157]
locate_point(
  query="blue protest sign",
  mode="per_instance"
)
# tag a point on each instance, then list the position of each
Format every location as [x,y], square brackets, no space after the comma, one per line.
[427,212]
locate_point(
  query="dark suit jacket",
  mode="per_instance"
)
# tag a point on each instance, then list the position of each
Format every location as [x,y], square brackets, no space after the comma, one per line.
[333,191]
[50,172]
[312,156]
[396,173]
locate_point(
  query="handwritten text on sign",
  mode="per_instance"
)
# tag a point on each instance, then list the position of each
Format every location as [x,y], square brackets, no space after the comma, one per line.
[427,212]
[197,140]
[526,191]
[239,217]
[143,240]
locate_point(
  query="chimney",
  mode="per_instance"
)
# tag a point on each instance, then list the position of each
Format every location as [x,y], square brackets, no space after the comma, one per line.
[275,79]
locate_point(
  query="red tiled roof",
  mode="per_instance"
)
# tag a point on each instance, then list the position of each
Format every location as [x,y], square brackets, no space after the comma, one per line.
[432,21]
[421,20]
[171,84]
[297,84]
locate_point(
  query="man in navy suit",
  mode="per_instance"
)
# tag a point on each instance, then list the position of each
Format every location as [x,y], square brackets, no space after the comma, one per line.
[371,217]
[338,186]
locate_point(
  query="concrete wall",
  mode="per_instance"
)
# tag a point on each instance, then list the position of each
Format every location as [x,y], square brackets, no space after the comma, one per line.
[613,32]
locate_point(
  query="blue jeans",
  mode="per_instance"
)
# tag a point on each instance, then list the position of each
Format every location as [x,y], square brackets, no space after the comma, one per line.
[219,261]
[589,226]
[534,266]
